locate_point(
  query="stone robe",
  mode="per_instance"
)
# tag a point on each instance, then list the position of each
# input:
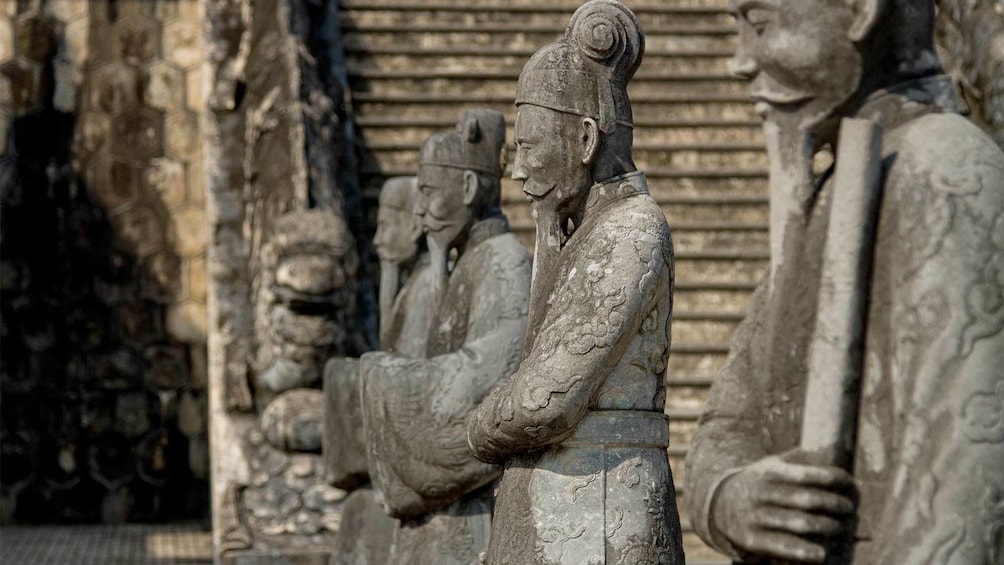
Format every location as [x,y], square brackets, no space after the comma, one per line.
[414,409]
[581,426]
[366,532]
[929,459]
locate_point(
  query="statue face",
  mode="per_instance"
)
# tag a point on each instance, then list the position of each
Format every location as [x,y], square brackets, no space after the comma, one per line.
[440,203]
[798,54]
[547,157]
[395,235]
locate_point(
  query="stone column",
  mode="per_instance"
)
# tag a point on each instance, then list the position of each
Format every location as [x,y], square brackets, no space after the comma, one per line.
[275,134]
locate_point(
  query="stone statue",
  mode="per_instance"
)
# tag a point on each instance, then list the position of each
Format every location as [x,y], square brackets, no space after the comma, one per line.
[366,531]
[414,406]
[405,310]
[894,455]
[304,307]
[580,426]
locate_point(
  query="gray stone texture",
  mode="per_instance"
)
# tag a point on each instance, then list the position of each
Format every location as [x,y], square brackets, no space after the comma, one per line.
[413,407]
[907,470]
[366,533]
[580,426]
[285,279]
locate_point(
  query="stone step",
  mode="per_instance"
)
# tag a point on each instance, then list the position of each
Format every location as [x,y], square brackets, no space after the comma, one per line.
[711,296]
[454,82]
[745,268]
[736,187]
[404,57]
[686,363]
[431,106]
[655,159]
[687,397]
[361,14]
[706,331]
[547,31]
[434,123]
[716,236]
[525,6]
[708,158]
[414,132]
[522,37]
[676,180]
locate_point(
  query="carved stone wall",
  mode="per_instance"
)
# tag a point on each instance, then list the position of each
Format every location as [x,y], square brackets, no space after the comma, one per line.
[276,131]
[103,261]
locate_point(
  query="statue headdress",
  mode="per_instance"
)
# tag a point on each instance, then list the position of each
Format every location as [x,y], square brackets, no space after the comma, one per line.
[477,144]
[587,71]
[399,193]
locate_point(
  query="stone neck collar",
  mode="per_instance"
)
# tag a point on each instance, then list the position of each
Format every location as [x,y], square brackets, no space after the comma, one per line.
[606,192]
[901,102]
[485,229]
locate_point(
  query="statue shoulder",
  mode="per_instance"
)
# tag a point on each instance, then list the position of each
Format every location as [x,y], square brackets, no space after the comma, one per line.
[507,249]
[947,154]
[636,221]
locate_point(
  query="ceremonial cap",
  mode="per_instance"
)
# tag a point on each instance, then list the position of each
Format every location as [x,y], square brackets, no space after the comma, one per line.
[587,71]
[477,144]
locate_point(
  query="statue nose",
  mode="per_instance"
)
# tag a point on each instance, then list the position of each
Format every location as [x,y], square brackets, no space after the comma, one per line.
[518,170]
[743,66]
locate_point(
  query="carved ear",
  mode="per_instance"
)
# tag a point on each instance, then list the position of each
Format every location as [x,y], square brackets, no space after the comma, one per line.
[866,15]
[470,187]
[471,129]
[590,140]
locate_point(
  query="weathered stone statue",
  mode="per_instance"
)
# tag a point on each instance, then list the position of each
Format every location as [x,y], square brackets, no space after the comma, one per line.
[405,309]
[414,407]
[911,414]
[304,309]
[366,532]
[580,426]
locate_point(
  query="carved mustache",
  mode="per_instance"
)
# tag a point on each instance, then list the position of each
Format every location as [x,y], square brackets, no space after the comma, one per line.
[532,190]
[431,223]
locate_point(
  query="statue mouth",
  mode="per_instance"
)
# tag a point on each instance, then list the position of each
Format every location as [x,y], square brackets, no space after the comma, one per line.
[764,101]
[310,304]
[433,224]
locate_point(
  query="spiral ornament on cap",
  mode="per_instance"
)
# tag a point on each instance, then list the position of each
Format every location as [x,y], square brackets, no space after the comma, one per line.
[608,33]
[587,71]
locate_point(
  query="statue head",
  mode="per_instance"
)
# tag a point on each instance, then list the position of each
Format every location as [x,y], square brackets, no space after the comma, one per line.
[398,230]
[458,176]
[814,61]
[574,122]
[305,298]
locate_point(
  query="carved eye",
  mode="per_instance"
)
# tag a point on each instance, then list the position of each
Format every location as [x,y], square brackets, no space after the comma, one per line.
[758,19]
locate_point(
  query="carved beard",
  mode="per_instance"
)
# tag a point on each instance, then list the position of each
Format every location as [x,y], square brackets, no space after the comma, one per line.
[390,272]
[550,214]
[789,153]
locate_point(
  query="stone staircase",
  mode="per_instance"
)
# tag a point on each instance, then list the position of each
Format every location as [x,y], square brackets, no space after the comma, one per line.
[414,65]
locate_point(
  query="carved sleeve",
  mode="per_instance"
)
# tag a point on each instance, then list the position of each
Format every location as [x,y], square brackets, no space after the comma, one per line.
[941,360]
[595,311]
[415,409]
